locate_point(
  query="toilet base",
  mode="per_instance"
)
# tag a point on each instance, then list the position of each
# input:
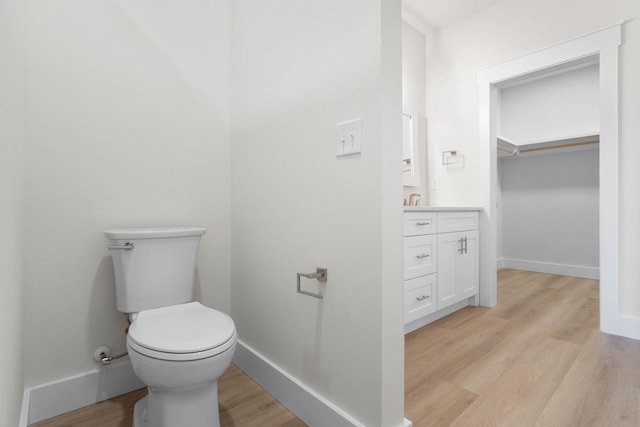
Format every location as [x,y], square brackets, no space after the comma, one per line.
[168,408]
[140,413]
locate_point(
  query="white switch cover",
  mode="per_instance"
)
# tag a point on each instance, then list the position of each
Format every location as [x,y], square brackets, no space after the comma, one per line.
[349,137]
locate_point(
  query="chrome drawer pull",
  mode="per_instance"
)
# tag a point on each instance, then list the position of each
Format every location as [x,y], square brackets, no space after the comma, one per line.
[422,298]
[422,256]
[423,223]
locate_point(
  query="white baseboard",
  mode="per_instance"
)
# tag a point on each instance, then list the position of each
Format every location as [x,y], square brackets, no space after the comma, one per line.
[68,394]
[24,411]
[424,321]
[313,409]
[550,268]
[306,404]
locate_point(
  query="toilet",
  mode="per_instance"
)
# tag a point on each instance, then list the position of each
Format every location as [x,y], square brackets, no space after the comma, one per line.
[178,347]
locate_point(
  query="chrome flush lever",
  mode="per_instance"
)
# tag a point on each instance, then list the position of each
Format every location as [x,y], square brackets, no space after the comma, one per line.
[126,247]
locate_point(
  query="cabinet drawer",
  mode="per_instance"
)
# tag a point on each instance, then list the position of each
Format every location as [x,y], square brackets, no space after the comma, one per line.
[417,223]
[419,297]
[420,255]
[457,221]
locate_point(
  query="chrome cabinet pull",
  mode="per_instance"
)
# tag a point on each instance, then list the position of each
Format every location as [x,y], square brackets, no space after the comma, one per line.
[422,256]
[423,223]
[126,247]
[422,298]
[463,245]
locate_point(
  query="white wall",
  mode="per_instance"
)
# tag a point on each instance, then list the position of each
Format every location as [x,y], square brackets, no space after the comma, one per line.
[12,25]
[298,69]
[557,106]
[391,298]
[128,112]
[127,125]
[509,29]
[550,209]
[414,99]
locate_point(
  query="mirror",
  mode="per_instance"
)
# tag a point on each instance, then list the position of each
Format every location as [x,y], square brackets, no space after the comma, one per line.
[410,164]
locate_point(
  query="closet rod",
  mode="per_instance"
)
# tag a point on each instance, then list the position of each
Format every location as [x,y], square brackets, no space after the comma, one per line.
[549,147]
[500,147]
[552,147]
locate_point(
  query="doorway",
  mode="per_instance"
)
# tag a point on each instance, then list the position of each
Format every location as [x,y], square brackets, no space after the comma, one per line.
[548,166]
[603,44]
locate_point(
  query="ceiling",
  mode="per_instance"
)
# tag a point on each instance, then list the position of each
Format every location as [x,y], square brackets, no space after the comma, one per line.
[440,13]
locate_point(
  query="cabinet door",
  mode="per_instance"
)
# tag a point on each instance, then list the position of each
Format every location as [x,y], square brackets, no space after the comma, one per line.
[457,267]
[468,266]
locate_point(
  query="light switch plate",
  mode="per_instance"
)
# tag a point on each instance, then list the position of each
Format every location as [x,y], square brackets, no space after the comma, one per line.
[349,137]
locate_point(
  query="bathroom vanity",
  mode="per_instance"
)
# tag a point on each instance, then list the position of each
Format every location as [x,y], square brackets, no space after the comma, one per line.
[441,264]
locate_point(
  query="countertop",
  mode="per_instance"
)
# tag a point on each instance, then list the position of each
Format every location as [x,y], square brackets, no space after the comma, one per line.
[440,208]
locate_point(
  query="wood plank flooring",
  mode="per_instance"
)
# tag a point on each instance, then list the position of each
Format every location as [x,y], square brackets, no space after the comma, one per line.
[242,403]
[537,359]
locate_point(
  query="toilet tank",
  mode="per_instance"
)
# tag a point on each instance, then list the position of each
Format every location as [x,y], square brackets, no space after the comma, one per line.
[154,267]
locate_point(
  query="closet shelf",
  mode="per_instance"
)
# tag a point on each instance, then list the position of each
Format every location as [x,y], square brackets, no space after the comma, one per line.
[507,148]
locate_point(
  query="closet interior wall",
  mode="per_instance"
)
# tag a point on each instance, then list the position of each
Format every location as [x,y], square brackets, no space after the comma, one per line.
[548,198]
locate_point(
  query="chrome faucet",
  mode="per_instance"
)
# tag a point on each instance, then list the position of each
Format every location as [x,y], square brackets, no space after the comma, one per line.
[413,199]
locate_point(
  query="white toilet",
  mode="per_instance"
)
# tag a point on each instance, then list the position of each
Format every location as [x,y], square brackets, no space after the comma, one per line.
[178,347]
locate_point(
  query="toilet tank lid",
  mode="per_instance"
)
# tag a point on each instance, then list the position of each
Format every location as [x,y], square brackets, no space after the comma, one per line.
[153,233]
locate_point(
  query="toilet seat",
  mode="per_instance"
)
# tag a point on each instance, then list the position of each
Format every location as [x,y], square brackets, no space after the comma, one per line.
[182,332]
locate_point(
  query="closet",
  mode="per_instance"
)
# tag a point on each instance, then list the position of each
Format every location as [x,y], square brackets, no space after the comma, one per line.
[548,150]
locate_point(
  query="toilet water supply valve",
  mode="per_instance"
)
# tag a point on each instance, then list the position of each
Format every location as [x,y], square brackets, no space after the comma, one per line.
[103,355]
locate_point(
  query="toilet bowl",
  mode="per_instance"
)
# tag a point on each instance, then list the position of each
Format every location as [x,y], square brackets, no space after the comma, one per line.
[179,352]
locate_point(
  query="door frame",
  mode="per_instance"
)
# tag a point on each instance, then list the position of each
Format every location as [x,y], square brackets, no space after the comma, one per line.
[602,43]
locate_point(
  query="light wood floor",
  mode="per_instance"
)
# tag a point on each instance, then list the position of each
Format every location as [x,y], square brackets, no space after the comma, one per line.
[537,359]
[242,404]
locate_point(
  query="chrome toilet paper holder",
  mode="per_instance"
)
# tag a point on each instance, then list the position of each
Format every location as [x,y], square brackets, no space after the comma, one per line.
[320,275]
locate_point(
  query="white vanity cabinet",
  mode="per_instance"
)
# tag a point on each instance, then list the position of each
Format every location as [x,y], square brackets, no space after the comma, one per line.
[441,263]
